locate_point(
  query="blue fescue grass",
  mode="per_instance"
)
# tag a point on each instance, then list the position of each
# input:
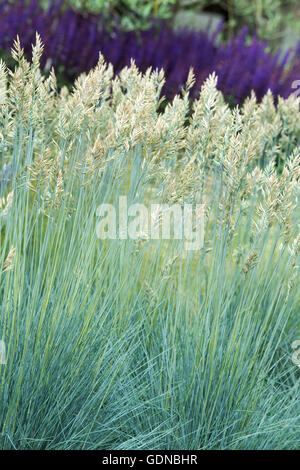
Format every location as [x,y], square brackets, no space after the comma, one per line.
[111,346]
[94,363]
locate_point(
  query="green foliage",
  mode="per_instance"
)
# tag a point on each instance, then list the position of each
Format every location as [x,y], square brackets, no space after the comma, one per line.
[131,14]
[269,18]
[139,344]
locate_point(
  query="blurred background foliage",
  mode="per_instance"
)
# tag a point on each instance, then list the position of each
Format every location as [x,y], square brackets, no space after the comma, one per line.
[273,20]
[270,19]
[130,14]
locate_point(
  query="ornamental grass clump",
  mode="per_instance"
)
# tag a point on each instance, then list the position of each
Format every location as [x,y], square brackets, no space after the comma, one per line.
[140,343]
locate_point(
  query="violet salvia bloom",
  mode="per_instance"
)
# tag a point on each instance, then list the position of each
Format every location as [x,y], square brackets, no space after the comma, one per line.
[73,42]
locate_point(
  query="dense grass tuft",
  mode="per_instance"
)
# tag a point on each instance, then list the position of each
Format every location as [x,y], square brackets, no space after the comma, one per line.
[139,344]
